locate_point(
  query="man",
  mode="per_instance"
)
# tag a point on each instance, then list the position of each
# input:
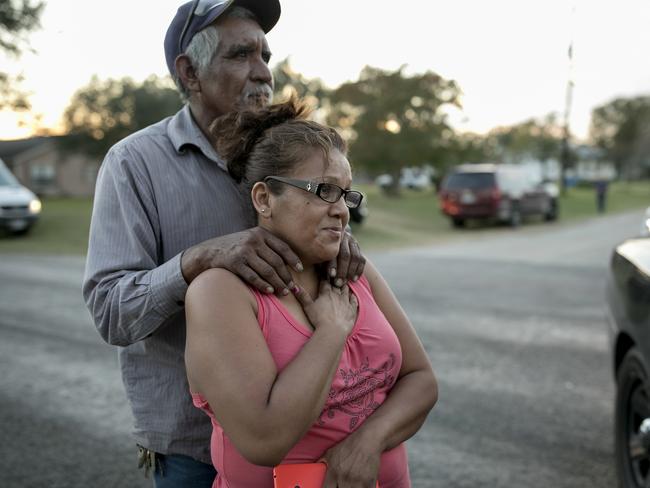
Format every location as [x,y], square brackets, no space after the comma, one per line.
[601,194]
[165,210]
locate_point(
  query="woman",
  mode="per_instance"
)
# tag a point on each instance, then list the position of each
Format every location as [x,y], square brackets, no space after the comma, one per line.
[327,373]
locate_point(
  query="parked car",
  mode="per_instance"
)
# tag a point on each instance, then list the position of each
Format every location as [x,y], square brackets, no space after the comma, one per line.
[417,178]
[628,299]
[413,178]
[19,207]
[645,225]
[359,214]
[384,180]
[505,193]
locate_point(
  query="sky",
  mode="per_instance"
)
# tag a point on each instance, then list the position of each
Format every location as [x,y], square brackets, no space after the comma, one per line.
[509,57]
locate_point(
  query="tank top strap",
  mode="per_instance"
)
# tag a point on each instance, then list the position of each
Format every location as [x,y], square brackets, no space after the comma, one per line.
[263,302]
[361,284]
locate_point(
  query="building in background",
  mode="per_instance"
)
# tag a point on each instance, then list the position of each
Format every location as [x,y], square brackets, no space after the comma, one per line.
[41,165]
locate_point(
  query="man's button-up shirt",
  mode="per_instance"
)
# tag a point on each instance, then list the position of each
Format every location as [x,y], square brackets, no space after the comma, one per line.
[159,192]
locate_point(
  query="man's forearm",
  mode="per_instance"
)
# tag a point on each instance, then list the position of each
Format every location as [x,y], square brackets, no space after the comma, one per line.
[130,306]
[193,262]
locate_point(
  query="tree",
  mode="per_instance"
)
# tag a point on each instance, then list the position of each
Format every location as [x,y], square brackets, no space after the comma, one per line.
[539,139]
[312,91]
[17,19]
[395,120]
[622,128]
[469,147]
[103,112]
[287,81]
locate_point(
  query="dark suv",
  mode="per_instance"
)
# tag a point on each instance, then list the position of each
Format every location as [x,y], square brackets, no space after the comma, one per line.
[505,193]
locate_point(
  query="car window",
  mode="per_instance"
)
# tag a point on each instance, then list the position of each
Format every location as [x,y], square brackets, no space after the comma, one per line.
[514,180]
[473,181]
[6,178]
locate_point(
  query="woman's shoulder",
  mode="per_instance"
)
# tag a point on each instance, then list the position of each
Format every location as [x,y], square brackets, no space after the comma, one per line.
[217,277]
[370,276]
[219,284]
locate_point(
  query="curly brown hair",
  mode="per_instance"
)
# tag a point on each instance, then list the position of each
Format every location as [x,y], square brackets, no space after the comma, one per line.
[271,141]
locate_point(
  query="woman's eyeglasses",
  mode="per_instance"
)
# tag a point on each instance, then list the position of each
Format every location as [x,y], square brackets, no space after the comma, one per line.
[199,9]
[329,192]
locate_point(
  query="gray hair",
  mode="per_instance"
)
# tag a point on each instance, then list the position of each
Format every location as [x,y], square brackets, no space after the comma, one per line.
[204,45]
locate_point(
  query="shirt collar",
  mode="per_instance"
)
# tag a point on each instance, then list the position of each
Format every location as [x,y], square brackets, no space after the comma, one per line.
[183,131]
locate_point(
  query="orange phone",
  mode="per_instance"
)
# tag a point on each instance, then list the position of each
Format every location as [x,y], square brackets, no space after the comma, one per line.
[305,475]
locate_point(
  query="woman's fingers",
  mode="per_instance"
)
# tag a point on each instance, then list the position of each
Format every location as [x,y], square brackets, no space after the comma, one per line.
[303,297]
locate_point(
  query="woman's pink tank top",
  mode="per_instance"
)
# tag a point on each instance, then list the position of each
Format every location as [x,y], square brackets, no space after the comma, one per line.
[368,369]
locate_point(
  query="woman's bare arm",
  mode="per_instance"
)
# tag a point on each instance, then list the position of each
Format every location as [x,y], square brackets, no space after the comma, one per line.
[355,461]
[263,412]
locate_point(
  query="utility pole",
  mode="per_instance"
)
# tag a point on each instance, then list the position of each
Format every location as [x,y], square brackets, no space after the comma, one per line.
[565,156]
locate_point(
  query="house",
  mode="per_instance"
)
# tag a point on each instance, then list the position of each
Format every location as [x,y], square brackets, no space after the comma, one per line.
[591,165]
[41,165]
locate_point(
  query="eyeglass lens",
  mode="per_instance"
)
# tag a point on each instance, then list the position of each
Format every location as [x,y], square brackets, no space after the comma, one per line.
[331,194]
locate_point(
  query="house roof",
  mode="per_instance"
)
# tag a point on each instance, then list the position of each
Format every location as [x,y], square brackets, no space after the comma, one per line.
[10,149]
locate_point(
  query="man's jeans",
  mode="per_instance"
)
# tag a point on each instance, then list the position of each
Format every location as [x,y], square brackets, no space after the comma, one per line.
[182,472]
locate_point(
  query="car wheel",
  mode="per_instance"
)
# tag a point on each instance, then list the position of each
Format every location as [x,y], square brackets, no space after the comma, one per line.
[457,222]
[515,216]
[552,211]
[21,232]
[632,423]
[356,216]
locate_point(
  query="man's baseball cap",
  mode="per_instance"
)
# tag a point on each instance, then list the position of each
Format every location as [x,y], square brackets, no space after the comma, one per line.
[196,15]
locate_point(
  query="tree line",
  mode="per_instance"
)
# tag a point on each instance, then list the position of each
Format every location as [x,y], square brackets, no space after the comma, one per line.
[17,20]
[390,119]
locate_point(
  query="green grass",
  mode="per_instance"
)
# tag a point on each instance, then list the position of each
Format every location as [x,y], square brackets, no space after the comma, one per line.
[408,219]
[413,218]
[580,202]
[61,229]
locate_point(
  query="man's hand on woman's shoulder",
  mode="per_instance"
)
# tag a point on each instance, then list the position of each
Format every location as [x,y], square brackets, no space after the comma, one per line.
[255,255]
[349,264]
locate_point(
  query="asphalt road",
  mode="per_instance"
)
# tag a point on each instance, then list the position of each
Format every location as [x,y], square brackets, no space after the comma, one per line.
[513,320]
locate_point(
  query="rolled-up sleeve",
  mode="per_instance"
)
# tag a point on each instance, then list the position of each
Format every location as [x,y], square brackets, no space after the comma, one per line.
[130,293]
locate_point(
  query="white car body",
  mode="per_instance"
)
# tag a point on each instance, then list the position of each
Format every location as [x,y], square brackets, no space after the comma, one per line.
[19,207]
[645,226]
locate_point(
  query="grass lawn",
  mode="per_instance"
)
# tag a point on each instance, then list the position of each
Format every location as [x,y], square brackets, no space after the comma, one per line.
[61,229]
[413,218]
[581,202]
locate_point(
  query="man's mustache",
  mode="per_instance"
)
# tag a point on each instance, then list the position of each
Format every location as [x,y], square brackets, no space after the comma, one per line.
[258,94]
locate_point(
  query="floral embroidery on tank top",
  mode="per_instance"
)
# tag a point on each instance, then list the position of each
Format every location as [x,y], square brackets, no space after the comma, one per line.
[357,396]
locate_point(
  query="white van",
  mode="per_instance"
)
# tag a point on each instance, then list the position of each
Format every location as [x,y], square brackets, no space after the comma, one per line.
[19,207]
